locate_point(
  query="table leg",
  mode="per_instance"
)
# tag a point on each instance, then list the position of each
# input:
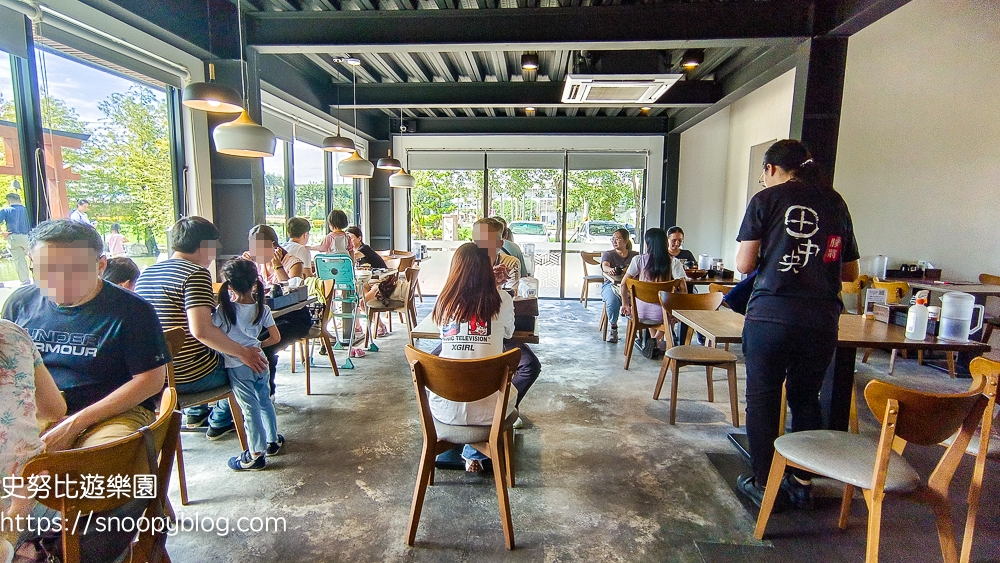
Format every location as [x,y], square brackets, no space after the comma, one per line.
[835,396]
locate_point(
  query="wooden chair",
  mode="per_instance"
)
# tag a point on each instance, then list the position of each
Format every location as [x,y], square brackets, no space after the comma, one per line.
[321,333]
[648,292]
[590,259]
[857,289]
[449,378]
[992,322]
[686,355]
[146,452]
[407,308]
[986,442]
[175,340]
[860,461]
[719,288]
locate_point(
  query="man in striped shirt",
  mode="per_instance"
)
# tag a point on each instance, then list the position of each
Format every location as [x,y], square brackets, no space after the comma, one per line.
[180,290]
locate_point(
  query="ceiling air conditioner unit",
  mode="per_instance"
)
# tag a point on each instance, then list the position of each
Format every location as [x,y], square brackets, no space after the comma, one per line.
[616,88]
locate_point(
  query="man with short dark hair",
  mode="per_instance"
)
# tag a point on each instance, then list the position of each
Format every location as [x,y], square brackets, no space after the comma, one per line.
[180,290]
[298,240]
[80,214]
[104,345]
[15,216]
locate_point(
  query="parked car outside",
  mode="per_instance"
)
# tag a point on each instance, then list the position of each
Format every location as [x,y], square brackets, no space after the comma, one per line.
[597,232]
[528,232]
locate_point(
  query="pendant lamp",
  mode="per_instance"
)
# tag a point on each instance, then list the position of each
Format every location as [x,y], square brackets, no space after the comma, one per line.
[243,136]
[401,179]
[211,96]
[355,166]
[389,163]
[338,143]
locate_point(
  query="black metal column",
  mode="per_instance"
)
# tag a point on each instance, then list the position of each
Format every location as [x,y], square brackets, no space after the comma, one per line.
[819,91]
[671,179]
[27,109]
[379,202]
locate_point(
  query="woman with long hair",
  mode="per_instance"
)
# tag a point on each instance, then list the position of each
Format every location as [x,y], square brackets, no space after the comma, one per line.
[798,234]
[657,265]
[471,305]
[614,262]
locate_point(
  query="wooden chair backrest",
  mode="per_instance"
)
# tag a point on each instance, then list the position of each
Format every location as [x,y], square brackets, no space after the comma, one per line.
[927,418]
[650,291]
[405,262]
[216,286]
[856,287]
[895,290]
[411,275]
[719,288]
[989,370]
[989,279]
[689,301]
[125,456]
[462,381]
[175,341]
[590,258]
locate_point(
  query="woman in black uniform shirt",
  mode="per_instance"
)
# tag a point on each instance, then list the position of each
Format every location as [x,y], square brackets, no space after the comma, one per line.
[798,234]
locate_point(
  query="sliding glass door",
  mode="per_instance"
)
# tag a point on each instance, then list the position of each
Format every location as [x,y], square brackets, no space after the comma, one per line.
[557,204]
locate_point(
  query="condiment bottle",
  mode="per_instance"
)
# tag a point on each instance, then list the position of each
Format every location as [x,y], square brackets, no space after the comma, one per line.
[916,321]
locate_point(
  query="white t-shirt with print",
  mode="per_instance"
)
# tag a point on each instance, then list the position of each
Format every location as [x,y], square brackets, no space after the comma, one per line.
[469,341]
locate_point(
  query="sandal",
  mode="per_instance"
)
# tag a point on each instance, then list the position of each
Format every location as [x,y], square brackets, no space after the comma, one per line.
[381,331]
[357,353]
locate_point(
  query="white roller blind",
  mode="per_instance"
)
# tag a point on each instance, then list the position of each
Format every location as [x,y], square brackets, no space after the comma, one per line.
[445,160]
[607,161]
[526,159]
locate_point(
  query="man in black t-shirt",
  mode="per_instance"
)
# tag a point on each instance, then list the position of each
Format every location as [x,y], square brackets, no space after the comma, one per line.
[103,344]
[798,234]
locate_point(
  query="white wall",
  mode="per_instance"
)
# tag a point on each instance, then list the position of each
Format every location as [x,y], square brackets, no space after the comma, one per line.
[653,144]
[701,196]
[715,159]
[918,158]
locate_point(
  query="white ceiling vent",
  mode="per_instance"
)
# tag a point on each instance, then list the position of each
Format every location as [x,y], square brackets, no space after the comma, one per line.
[616,88]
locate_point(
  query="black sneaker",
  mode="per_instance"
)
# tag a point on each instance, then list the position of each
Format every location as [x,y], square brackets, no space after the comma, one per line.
[800,495]
[747,487]
[247,462]
[193,421]
[214,433]
[274,447]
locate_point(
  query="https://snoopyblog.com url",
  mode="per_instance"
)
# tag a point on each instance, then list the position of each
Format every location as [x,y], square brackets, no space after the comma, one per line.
[91,522]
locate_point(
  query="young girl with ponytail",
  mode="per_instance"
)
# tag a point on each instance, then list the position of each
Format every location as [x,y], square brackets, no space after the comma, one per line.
[242,315]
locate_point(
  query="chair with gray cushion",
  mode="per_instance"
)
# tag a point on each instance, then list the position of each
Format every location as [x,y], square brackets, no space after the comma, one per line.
[871,464]
[450,379]
[687,355]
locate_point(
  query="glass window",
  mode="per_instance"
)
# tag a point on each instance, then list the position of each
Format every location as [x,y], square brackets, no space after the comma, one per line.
[107,141]
[310,189]
[342,194]
[274,189]
[10,164]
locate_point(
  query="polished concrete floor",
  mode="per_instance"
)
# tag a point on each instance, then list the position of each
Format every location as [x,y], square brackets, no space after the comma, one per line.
[602,475]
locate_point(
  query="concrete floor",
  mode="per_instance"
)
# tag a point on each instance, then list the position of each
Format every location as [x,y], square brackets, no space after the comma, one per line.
[602,475]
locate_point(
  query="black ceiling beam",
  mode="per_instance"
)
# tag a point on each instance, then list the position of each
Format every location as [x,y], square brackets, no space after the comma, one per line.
[843,18]
[499,94]
[638,26]
[542,125]
[771,64]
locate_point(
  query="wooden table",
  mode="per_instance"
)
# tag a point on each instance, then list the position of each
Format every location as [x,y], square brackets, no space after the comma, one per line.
[724,326]
[709,281]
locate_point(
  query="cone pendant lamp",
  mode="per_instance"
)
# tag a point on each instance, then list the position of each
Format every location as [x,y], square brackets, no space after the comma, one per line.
[355,166]
[338,143]
[211,96]
[402,180]
[243,136]
[389,163]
